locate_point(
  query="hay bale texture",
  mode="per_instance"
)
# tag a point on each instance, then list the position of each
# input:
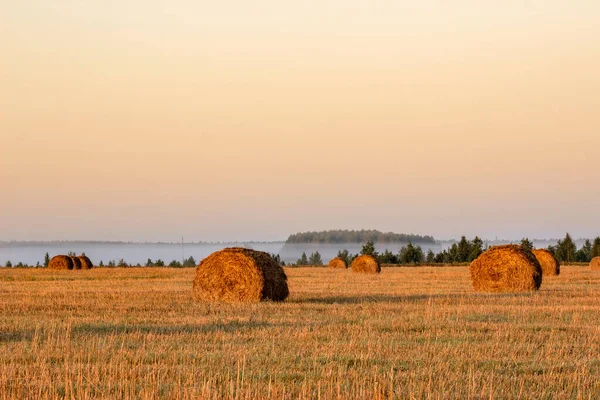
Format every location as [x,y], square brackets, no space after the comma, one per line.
[338,263]
[238,275]
[509,268]
[86,263]
[595,264]
[76,262]
[549,264]
[366,264]
[60,262]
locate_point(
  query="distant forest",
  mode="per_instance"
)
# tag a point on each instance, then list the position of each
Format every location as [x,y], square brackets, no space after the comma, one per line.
[362,236]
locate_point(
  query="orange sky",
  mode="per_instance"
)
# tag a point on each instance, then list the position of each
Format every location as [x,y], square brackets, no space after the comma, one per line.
[138,120]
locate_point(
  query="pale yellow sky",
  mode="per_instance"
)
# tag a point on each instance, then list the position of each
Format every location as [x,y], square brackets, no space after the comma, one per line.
[148,120]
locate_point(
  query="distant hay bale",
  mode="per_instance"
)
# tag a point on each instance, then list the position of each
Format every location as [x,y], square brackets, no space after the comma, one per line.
[338,263]
[366,264]
[60,262]
[86,263]
[239,275]
[549,263]
[509,268]
[76,262]
[595,264]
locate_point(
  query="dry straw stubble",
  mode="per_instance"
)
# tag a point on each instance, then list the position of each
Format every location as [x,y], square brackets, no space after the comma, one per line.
[595,264]
[239,275]
[60,262]
[336,336]
[366,264]
[508,268]
[338,263]
[549,264]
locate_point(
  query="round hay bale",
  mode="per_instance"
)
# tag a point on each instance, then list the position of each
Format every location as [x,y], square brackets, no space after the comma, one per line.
[338,263]
[86,263]
[239,275]
[366,265]
[549,264]
[76,262]
[595,264]
[60,262]
[508,268]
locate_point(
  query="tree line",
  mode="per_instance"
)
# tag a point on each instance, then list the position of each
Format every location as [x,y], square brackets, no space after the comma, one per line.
[466,251]
[566,250]
[187,263]
[462,252]
[362,236]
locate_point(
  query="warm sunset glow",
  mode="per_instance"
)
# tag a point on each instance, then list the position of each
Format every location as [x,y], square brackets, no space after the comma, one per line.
[149,120]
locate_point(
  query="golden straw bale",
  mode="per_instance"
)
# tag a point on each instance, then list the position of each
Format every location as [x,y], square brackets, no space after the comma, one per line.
[595,264]
[509,268]
[366,264]
[236,275]
[549,263]
[61,262]
[338,263]
[86,263]
[76,262]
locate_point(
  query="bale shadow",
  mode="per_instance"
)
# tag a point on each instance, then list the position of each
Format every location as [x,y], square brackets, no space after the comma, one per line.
[16,336]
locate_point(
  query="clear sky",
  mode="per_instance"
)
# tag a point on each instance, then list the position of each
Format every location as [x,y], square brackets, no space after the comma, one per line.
[223,120]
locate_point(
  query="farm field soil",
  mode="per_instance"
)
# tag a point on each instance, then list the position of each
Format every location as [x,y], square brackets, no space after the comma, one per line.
[405,333]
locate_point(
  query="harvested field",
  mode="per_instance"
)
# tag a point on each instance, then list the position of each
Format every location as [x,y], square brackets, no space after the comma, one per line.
[405,333]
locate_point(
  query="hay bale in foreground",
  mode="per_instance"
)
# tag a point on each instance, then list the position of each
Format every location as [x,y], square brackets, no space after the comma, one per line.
[238,275]
[595,264]
[549,263]
[76,262]
[508,268]
[338,263]
[366,265]
[60,262]
[86,263]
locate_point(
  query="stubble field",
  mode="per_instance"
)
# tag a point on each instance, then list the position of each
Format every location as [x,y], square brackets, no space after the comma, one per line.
[405,333]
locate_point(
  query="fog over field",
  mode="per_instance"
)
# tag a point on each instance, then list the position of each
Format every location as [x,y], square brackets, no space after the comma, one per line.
[134,253]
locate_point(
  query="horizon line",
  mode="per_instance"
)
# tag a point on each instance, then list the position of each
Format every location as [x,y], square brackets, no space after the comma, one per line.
[121,242]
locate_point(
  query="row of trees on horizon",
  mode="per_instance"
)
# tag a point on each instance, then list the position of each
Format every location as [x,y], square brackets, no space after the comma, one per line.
[464,251]
[346,236]
[187,263]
